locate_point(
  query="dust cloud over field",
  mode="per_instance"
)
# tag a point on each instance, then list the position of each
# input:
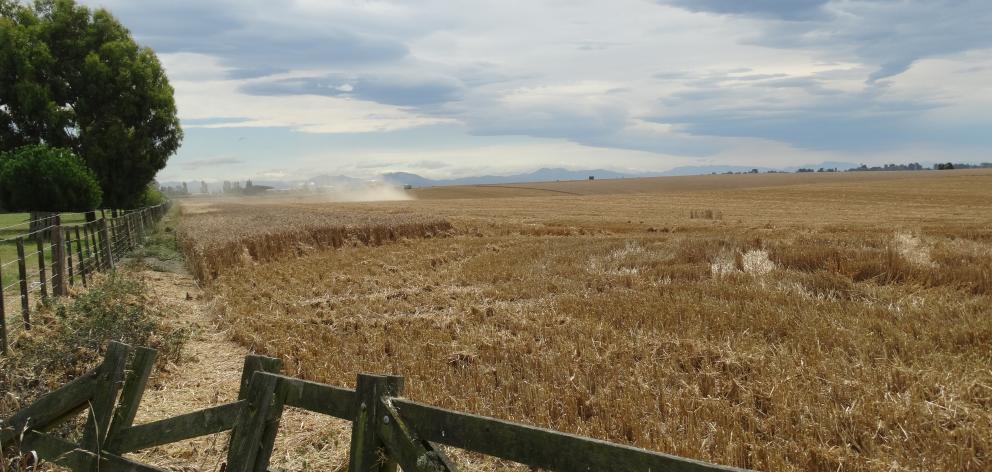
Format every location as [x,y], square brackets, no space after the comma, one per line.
[370,192]
[826,322]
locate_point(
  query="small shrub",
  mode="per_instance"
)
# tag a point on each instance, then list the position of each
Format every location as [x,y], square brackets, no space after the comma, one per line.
[43,178]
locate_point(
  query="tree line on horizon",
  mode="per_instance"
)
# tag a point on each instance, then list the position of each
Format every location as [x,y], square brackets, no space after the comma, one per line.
[918,166]
[228,188]
[895,167]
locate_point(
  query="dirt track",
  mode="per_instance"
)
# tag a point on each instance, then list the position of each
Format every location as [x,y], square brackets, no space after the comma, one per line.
[208,376]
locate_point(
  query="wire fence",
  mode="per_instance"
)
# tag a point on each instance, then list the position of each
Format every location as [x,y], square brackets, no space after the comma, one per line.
[17,225]
[60,257]
[49,221]
[29,234]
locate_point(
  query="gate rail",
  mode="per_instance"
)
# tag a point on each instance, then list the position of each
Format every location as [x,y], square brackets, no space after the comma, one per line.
[387,429]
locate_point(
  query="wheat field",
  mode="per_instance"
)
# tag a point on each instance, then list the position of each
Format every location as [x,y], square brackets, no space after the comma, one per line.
[219,236]
[824,322]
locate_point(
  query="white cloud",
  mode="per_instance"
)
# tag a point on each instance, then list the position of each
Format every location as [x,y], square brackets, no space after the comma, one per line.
[203,93]
[647,84]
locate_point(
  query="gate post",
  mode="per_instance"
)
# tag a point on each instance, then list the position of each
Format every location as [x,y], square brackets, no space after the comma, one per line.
[250,446]
[365,442]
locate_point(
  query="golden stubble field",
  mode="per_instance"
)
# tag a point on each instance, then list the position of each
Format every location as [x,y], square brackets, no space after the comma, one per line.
[829,322]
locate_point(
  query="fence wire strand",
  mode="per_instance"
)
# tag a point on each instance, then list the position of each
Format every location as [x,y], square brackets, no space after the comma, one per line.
[119,234]
[42,230]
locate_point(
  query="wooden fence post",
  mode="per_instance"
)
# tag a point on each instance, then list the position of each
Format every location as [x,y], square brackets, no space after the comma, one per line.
[128,239]
[112,232]
[58,257]
[112,235]
[108,255]
[255,363]
[111,373]
[365,442]
[134,389]
[119,239]
[79,256]
[271,429]
[136,236]
[246,438]
[22,272]
[90,229]
[124,234]
[250,437]
[42,274]
[129,231]
[3,316]
[394,388]
[67,244]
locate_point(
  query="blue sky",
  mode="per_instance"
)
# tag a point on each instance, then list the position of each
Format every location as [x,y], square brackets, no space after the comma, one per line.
[288,90]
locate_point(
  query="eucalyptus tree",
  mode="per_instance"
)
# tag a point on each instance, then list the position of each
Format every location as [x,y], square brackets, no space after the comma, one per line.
[72,77]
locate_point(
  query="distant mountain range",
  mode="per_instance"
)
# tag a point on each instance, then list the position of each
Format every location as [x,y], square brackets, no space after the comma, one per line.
[540,175]
[553,174]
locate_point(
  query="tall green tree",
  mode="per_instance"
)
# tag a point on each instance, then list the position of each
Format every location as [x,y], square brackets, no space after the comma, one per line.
[75,78]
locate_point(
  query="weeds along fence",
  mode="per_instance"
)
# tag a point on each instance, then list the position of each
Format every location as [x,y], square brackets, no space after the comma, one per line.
[52,257]
[387,429]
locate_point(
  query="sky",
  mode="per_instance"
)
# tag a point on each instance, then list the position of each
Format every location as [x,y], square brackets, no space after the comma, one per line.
[286,90]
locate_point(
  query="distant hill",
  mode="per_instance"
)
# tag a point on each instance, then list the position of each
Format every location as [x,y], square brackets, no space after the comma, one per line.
[325,180]
[702,170]
[540,175]
[406,178]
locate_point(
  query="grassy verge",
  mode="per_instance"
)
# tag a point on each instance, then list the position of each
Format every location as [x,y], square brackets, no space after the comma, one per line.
[70,335]
[160,251]
[13,225]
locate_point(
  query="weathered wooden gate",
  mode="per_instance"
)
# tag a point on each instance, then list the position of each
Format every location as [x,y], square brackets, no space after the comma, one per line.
[387,430]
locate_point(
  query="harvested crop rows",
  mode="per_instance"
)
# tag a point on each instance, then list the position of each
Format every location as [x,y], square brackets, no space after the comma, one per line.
[825,326]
